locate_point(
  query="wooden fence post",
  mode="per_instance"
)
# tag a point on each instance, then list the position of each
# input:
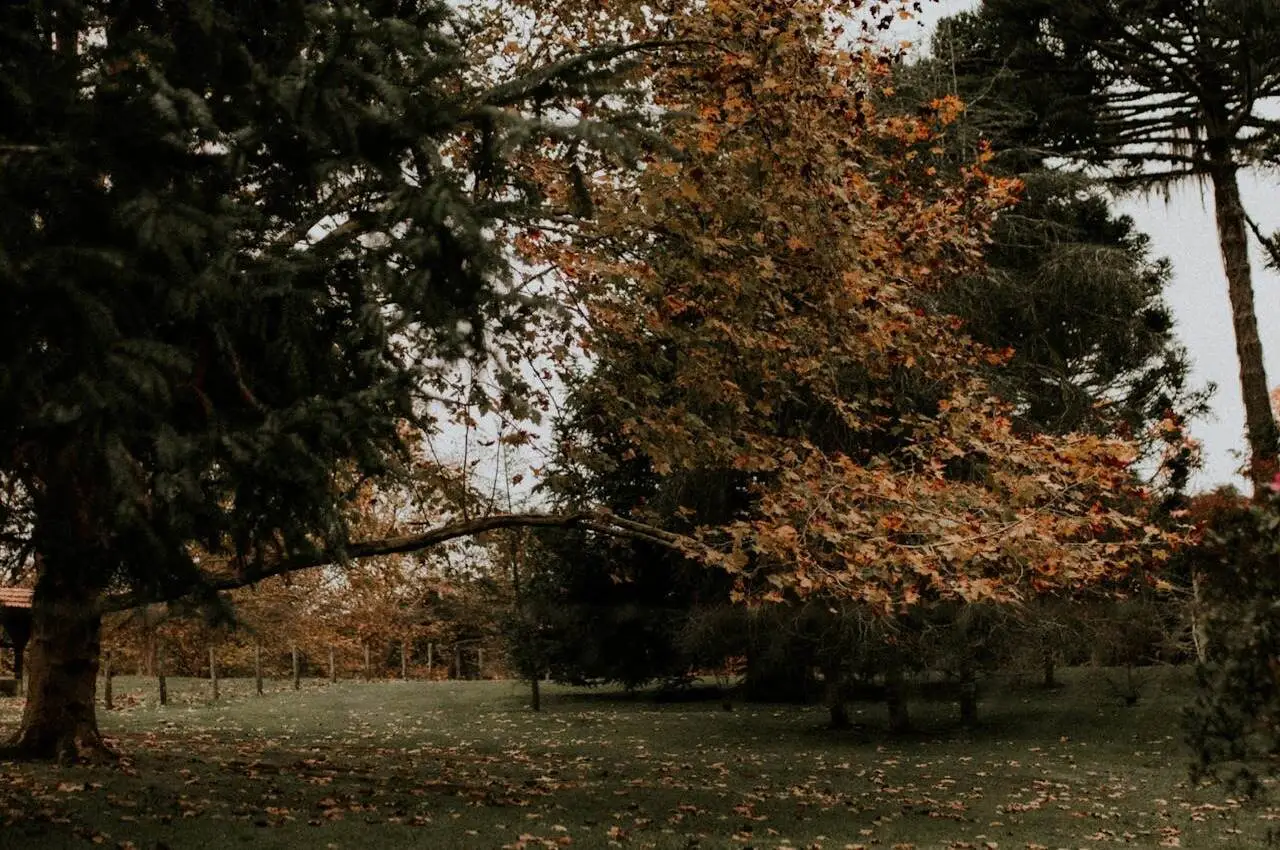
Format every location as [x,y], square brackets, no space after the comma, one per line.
[164,685]
[404,660]
[457,661]
[366,660]
[480,662]
[430,660]
[333,669]
[297,673]
[107,698]
[213,671]
[257,666]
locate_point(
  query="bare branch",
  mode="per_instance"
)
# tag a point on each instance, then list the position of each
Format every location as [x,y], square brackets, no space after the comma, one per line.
[601,522]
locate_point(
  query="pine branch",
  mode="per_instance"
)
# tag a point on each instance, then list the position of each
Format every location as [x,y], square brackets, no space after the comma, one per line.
[1270,243]
[541,81]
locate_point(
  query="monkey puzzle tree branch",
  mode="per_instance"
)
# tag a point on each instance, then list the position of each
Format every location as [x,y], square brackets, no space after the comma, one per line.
[544,80]
[1271,244]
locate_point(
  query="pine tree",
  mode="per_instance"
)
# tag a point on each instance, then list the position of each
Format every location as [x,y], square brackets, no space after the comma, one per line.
[1069,286]
[236,238]
[1155,92]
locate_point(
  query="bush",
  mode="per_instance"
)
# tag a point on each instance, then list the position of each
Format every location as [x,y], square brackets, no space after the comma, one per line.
[1234,724]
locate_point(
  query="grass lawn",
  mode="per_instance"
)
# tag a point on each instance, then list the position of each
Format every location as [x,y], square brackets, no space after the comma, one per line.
[466,765]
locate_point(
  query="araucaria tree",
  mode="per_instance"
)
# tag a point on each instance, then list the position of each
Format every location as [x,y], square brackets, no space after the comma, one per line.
[235,240]
[1115,366]
[1157,91]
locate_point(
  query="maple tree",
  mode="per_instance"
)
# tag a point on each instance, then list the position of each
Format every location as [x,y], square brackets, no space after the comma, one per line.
[766,289]
[614,610]
[733,373]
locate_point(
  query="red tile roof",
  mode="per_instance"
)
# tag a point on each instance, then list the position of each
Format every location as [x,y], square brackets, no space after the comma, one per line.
[15,597]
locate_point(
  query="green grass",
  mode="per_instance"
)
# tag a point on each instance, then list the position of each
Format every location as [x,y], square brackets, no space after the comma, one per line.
[466,765]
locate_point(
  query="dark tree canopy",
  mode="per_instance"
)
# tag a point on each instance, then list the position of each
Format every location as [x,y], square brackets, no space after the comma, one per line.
[1071,287]
[1149,92]
[236,240]
[1154,88]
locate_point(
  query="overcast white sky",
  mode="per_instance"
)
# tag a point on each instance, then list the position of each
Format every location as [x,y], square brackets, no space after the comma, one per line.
[1183,230]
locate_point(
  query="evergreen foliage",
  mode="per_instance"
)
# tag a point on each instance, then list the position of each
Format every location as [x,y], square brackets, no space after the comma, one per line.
[1069,286]
[240,245]
[1234,724]
[1152,92]
[236,239]
[1149,92]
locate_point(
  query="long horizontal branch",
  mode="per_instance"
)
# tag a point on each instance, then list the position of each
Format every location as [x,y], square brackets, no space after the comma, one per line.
[601,522]
[1153,178]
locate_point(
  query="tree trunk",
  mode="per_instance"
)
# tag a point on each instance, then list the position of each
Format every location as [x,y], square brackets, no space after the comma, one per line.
[1049,670]
[834,698]
[968,696]
[366,662]
[1233,239]
[404,660]
[213,671]
[431,649]
[457,662]
[896,699]
[535,693]
[163,682]
[1199,626]
[60,718]
[18,626]
[108,698]
[838,715]
[333,668]
[297,671]
[257,666]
